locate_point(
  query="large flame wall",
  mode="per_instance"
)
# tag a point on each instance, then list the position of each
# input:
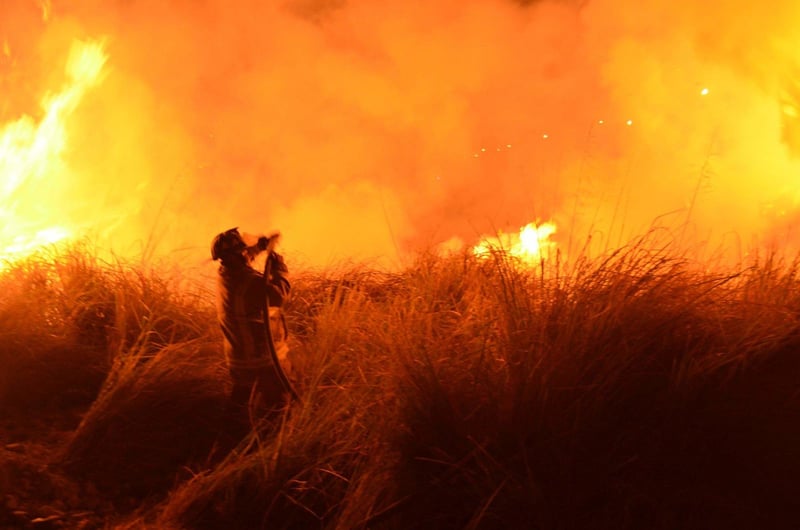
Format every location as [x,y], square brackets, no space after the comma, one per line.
[362,128]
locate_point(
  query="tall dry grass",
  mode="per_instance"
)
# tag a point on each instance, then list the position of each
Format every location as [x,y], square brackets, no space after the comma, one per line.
[133,353]
[55,313]
[636,390]
[633,391]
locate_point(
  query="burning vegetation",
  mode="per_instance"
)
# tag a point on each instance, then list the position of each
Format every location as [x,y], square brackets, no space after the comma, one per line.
[33,164]
[531,245]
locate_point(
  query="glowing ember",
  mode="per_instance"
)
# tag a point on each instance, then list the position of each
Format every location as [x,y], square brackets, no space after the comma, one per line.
[531,245]
[31,160]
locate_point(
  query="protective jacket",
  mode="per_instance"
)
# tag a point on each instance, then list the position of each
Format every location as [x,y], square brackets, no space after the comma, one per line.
[240,306]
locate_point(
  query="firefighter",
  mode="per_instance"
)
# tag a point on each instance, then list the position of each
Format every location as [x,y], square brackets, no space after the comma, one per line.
[241,294]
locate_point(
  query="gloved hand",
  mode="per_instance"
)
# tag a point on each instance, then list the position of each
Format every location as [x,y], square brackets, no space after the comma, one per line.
[277,265]
[263,242]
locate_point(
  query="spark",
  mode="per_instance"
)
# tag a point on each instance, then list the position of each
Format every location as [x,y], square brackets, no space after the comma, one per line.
[629,122]
[704,92]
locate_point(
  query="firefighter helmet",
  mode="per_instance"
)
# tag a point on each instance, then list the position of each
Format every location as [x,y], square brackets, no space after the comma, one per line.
[227,243]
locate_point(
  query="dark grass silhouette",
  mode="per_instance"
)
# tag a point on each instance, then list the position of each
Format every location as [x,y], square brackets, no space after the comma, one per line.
[48,350]
[636,390]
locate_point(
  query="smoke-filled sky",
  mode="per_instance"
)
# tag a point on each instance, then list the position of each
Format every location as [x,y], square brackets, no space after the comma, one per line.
[370,129]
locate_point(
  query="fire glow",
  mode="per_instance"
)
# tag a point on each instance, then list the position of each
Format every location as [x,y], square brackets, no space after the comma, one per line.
[394,122]
[531,245]
[32,159]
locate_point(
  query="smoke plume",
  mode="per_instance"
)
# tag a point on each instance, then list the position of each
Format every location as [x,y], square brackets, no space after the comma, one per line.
[365,129]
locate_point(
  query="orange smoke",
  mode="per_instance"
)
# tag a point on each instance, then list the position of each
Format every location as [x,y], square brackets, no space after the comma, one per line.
[370,129]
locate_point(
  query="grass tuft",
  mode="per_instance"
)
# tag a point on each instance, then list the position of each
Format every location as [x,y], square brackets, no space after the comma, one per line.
[634,390]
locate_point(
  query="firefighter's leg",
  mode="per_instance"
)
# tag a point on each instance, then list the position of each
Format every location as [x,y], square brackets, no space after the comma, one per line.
[272,397]
[243,383]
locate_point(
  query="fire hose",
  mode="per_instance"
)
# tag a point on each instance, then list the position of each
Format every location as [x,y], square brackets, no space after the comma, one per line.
[269,247]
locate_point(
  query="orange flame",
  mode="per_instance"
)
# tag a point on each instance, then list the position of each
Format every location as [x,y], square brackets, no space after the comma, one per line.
[531,245]
[32,159]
